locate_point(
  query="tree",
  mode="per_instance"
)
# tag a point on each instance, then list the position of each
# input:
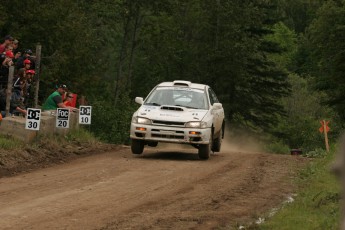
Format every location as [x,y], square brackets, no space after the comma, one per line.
[326,35]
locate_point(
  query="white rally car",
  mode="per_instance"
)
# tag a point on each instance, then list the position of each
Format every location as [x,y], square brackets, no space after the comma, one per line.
[179,112]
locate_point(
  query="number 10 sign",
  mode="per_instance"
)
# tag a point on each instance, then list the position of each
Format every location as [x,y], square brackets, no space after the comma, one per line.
[33,119]
[85,115]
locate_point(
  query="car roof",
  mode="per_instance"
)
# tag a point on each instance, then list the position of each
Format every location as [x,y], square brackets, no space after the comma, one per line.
[182,83]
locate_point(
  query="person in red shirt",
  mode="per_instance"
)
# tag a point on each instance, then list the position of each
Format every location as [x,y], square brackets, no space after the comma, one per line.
[68,99]
[7,41]
[4,69]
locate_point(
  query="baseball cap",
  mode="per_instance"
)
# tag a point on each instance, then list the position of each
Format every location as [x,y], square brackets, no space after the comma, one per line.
[30,71]
[9,54]
[8,37]
[28,51]
[62,86]
[27,61]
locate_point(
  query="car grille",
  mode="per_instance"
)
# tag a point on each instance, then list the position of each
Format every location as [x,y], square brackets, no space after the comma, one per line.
[172,134]
[168,123]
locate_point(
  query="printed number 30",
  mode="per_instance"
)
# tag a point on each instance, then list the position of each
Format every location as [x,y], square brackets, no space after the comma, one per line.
[32,124]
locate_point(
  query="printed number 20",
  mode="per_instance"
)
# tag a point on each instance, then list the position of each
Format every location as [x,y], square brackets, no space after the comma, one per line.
[62,123]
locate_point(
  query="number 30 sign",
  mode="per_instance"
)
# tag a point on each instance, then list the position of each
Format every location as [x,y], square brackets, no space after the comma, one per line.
[33,119]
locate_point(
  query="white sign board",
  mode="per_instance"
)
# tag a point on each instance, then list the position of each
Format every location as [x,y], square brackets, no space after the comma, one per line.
[62,118]
[33,119]
[85,115]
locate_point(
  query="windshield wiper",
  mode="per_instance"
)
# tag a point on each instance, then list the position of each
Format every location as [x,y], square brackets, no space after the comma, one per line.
[189,107]
[153,103]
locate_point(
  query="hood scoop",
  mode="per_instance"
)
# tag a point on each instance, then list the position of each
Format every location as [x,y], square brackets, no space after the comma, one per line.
[172,108]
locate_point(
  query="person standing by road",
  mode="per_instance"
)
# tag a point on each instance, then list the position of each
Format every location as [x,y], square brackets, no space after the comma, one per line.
[54,100]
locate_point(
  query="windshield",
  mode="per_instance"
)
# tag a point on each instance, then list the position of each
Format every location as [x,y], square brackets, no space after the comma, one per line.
[186,97]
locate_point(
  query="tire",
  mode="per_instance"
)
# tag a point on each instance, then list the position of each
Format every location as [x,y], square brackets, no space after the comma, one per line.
[216,145]
[137,146]
[204,151]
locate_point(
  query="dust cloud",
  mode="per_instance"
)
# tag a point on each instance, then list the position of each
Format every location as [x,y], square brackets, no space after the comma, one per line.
[234,141]
[240,141]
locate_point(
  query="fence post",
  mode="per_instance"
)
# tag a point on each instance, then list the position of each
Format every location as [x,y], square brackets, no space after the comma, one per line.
[37,71]
[9,89]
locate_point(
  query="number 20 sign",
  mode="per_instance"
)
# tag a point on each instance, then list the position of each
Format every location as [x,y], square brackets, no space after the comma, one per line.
[33,119]
[62,118]
[85,115]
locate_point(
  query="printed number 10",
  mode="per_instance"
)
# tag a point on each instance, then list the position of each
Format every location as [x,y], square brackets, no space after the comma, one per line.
[84,119]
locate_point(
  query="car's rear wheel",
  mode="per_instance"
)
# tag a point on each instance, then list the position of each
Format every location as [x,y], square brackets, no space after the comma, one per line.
[137,146]
[216,145]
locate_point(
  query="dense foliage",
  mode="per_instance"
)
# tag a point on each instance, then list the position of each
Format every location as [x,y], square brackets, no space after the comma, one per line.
[259,56]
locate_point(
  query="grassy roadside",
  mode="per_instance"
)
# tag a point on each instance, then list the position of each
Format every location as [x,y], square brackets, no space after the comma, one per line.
[316,205]
[17,156]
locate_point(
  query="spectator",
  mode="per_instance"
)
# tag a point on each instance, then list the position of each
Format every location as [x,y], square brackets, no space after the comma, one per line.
[27,55]
[15,45]
[18,85]
[7,41]
[17,55]
[54,101]
[68,99]
[3,55]
[22,71]
[29,78]
[16,105]
[4,69]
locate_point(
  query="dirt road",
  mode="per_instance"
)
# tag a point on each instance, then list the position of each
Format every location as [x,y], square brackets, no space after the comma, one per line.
[165,188]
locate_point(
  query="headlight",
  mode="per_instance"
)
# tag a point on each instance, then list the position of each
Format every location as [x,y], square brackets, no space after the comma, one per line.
[196,124]
[141,120]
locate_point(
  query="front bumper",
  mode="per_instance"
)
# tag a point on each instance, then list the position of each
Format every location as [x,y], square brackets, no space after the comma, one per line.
[170,134]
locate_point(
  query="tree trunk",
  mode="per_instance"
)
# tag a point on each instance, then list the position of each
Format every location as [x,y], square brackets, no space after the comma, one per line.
[137,25]
[122,58]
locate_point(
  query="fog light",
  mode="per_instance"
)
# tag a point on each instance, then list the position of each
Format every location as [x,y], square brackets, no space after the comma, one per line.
[194,133]
[140,128]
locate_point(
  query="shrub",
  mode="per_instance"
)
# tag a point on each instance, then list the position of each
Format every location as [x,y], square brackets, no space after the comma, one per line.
[112,124]
[277,147]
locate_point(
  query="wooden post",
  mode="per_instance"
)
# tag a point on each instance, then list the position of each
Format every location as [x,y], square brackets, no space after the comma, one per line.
[326,137]
[37,72]
[9,90]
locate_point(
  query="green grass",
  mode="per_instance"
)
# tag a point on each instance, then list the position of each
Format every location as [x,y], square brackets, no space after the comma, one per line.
[9,143]
[316,205]
[76,136]
[81,135]
[73,135]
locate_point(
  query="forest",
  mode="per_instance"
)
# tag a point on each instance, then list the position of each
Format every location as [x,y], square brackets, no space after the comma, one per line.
[277,66]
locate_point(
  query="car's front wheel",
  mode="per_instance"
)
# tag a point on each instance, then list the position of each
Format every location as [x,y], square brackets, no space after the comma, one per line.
[217,143]
[137,146]
[204,151]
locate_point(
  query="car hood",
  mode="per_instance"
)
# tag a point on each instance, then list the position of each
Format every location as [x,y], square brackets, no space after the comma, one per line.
[171,113]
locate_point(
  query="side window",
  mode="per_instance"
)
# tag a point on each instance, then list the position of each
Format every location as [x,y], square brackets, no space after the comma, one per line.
[213,97]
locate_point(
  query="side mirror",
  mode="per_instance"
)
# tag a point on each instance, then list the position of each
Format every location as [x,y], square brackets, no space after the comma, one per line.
[139,100]
[217,106]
